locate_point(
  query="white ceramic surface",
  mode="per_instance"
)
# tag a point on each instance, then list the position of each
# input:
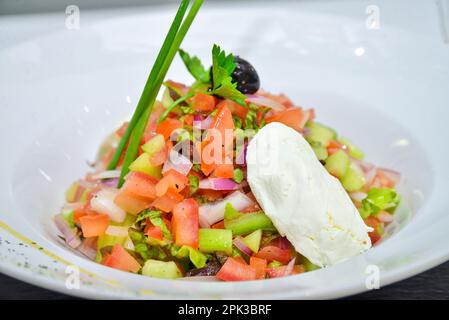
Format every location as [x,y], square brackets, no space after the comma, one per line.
[62,91]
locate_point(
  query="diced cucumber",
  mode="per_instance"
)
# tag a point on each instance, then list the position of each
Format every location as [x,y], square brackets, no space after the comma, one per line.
[230,213]
[142,164]
[320,133]
[154,145]
[253,240]
[166,98]
[68,216]
[354,151]
[71,192]
[337,164]
[83,197]
[248,223]
[128,222]
[161,269]
[107,241]
[196,257]
[309,266]
[274,264]
[320,151]
[213,240]
[353,180]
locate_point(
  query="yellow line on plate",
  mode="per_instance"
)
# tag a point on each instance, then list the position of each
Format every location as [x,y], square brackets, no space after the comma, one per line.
[51,254]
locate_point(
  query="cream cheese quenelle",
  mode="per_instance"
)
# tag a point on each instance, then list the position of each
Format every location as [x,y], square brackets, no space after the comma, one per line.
[305,203]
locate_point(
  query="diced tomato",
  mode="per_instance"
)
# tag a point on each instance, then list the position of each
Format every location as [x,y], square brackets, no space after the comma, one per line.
[188,119]
[223,120]
[233,270]
[168,200]
[225,170]
[271,253]
[172,180]
[260,265]
[185,222]
[251,208]
[94,225]
[140,184]
[383,180]
[179,88]
[221,123]
[167,126]
[154,232]
[131,202]
[240,259]
[281,271]
[281,98]
[159,157]
[122,260]
[218,225]
[121,131]
[374,223]
[293,117]
[235,108]
[211,195]
[335,146]
[202,102]
[78,213]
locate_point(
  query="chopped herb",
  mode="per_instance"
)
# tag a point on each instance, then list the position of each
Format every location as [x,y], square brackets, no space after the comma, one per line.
[238,175]
[195,66]
[378,200]
[193,183]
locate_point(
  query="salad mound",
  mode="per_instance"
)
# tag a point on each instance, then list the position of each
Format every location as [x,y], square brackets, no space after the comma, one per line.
[177,215]
[169,196]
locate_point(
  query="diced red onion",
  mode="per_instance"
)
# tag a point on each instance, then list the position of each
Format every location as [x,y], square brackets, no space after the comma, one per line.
[220,184]
[290,267]
[200,278]
[240,158]
[86,184]
[89,248]
[238,242]
[202,124]
[70,236]
[129,244]
[385,216]
[265,102]
[357,196]
[103,202]
[213,212]
[206,123]
[177,162]
[106,174]
[281,243]
[117,231]
[391,174]
[110,182]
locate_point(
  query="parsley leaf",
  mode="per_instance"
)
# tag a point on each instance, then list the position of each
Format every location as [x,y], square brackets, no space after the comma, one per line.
[195,66]
[222,68]
[378,200]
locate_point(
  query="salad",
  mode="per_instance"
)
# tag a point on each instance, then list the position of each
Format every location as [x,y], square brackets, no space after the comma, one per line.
[169,195]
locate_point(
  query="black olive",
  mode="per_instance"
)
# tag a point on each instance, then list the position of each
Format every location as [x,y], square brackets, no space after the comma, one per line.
[246,76]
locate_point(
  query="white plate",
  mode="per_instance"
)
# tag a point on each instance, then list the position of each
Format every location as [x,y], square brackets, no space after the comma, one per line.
[62,91]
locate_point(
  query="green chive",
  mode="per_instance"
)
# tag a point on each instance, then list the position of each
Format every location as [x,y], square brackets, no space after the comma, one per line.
[172,106]
[139,130]
[144,101]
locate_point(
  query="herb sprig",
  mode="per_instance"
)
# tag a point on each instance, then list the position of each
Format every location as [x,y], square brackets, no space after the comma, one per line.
[137,125]
[221,82]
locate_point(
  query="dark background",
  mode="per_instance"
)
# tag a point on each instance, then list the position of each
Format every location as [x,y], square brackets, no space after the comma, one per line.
[432,284]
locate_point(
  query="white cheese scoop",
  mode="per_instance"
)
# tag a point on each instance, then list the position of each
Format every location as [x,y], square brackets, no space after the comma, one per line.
[305,203]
